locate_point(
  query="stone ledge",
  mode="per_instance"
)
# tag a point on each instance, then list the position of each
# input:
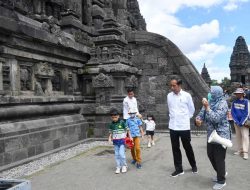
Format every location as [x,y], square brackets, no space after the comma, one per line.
[12,165]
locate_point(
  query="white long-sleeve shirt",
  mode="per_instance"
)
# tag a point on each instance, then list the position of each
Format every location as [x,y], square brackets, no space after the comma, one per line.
[129,103]
[181,109]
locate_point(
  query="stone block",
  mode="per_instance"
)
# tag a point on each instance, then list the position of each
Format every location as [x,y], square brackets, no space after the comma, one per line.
[2,146]
[1,159]
[31,151]
[56,143]
[39,149]
[45,136]
[35,138]
[19,154]
[24,141]
[61,132]
[72,129]
[64,141]
[48,146]
[7,158]
[11,144]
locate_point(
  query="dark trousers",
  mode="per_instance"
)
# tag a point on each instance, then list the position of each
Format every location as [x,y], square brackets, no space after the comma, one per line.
[186,143]
[217,154]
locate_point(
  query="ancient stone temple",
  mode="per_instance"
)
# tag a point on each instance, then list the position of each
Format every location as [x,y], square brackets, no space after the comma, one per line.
[205,75]
[240,62]
[65,64]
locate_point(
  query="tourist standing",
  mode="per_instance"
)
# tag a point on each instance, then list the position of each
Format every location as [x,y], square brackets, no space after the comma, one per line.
[240,115]
[135,126]
[129,102]
[118,132]
[214,113]
[181,109]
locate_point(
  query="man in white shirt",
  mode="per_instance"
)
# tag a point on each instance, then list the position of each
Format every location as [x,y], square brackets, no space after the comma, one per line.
[181,109]
[129,102]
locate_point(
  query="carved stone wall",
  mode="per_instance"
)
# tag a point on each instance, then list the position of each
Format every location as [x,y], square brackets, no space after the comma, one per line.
[65,64]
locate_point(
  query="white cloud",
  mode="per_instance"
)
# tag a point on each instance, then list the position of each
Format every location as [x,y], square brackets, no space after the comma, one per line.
[230,6]
[233,4]
[171,7]
[207,52]
[196,41]
[217,73]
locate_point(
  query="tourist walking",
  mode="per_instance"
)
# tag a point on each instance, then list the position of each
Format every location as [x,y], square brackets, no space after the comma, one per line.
[181,109]
[118,132]
[214,114]
[135,126]
[150,129]
[240,114]
[129,102]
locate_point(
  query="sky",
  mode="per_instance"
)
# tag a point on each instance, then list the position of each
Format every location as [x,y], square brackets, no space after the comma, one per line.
[204,30]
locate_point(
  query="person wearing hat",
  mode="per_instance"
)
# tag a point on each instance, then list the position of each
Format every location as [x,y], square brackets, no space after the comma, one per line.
[135,127]
[240,115]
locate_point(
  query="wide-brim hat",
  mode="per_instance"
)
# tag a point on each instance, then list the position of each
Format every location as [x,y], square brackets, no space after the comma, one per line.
[239,91]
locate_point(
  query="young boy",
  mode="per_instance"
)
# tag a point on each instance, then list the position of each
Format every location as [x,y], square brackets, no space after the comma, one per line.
[118,132]
[135,126]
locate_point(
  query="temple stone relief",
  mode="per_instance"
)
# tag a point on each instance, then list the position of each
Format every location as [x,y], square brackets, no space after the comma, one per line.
[65,64]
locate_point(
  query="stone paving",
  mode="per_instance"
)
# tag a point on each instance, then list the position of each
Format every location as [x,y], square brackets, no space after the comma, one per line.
[94,170]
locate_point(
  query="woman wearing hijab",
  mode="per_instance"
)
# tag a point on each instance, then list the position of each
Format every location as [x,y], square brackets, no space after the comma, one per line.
[214,114]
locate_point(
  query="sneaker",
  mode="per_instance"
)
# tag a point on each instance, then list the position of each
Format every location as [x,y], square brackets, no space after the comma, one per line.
[138,166]
[214,179]
[176,173]
[237,153]
[149,145]
[153,143]
[118,170]
[124,169]
[218,186]
[195,170]
[245,156]
[133,162]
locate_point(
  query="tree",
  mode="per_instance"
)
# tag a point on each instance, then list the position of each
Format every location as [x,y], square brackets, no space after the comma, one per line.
[225,83]
[214,82]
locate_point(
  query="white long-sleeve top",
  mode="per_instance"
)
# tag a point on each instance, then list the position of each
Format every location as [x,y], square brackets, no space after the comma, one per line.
[181,109]
[129,103]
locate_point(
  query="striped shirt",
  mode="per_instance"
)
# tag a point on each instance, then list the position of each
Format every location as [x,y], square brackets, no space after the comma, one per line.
[119,131]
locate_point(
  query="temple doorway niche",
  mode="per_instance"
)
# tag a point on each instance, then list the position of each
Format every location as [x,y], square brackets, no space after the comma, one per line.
[243,79]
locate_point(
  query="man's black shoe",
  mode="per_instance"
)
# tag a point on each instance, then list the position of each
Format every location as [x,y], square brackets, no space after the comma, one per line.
[177,173]
[195,170]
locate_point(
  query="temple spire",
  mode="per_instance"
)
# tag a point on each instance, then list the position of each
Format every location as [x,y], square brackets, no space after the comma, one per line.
[240,62]
[205,75]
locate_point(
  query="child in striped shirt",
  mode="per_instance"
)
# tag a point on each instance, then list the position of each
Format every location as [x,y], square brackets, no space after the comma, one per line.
[118,132]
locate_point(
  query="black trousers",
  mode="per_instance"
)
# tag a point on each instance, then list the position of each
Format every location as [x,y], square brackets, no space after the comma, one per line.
[217,154]
[186,143]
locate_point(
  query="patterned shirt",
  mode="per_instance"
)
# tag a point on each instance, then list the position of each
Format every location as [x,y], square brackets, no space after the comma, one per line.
[217,119]
[134,126]
[119,131]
